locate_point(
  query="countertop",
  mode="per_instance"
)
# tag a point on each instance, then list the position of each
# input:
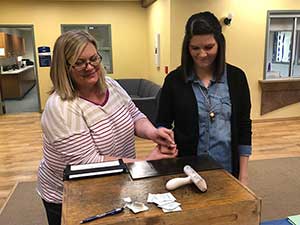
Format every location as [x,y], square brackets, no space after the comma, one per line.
[17,71]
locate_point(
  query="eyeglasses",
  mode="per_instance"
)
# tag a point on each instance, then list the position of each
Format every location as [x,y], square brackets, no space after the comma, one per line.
[82,64]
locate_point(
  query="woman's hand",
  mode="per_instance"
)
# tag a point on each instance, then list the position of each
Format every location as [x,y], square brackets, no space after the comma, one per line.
[164,137]
[157,153]
[243,180]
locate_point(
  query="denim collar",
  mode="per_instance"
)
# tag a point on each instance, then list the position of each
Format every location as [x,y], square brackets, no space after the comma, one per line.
[192,78]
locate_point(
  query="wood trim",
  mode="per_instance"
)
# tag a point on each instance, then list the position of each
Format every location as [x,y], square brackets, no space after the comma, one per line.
[275,120]
[146,3]
[279,93]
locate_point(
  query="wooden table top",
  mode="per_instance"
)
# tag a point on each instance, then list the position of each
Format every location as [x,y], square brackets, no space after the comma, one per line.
[225,202]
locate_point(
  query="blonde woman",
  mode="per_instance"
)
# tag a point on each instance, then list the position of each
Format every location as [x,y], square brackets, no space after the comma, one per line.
[88,118]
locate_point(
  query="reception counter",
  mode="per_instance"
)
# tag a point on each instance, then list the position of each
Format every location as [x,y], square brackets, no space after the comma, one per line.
[226,201]
[16,83]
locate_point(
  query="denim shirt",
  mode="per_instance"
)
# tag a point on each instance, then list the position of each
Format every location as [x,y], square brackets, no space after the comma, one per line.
[214,134]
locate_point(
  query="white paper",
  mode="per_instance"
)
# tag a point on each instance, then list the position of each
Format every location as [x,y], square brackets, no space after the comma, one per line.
[2,51]
[160,198]
[169,205]
[166,201]
[127,200]
[95,173]
[137,207]
[95,165]
[172,210]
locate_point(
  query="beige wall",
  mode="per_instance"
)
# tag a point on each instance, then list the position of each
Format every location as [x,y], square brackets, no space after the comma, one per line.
[158,15]
[245,39]
[133,30]
[128,22]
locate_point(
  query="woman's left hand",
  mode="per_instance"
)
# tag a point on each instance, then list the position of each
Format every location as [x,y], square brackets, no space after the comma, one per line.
[156,154]
[164,137]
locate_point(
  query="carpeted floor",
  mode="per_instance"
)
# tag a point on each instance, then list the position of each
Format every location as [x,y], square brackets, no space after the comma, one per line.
[276,181]
[24,207]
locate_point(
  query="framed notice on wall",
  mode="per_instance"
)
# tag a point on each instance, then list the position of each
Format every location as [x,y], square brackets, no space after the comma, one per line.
[44,56]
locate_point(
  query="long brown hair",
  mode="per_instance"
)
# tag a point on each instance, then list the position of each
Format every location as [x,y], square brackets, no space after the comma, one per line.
[198,24]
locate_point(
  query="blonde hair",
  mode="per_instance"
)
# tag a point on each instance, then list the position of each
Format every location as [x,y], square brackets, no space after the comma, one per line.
[67,49]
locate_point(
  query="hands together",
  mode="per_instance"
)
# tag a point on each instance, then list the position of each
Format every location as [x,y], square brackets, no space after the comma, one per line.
[164,137]
[166,147]
[162,152]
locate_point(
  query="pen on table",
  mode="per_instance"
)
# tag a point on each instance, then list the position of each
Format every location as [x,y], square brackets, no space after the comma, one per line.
[109,213]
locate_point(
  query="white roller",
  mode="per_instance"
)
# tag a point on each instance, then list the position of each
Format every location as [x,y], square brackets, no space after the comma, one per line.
[196,178]
[192,177]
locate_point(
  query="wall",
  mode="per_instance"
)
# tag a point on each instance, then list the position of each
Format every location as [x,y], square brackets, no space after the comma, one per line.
[133,30]
[129,30]
[245,39]
[158,15]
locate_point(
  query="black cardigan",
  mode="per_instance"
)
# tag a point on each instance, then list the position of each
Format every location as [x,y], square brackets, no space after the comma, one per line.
[178,109]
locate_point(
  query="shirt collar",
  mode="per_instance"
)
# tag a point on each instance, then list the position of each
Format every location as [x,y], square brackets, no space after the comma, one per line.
[193,78]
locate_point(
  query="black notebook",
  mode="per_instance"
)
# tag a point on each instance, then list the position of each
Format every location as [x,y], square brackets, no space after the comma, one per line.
[94,169]
[144,169]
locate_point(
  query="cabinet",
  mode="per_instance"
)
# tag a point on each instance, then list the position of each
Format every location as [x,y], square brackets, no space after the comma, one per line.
[15,84]
[5,45]
[11,45]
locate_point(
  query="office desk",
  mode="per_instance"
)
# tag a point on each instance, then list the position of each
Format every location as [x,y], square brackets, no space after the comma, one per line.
[226,202]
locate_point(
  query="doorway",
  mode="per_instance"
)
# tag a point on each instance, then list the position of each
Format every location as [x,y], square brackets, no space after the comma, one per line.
[18,75]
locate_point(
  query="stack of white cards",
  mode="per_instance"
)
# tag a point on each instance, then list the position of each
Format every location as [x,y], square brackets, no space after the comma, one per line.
[166,201]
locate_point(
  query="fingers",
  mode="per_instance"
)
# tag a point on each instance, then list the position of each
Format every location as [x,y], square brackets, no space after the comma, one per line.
[166,137]
[157,153]
[170,155]
[168,151]
[166,134]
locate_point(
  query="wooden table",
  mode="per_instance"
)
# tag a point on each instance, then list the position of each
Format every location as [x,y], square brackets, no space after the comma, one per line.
[226,202]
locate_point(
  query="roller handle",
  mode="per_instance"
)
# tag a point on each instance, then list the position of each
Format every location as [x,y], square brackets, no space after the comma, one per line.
[177,182]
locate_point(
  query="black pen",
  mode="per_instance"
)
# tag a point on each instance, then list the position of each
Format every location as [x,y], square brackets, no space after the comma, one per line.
[109,213]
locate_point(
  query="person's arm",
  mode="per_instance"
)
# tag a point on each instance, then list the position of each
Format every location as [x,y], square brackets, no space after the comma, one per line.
[245,131]
[159,152]
[243,176]
[162,136]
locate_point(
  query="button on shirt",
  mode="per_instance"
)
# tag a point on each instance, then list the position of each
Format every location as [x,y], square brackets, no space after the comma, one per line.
[215,134]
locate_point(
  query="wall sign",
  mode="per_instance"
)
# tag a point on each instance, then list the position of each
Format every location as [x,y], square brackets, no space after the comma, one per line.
[44,56]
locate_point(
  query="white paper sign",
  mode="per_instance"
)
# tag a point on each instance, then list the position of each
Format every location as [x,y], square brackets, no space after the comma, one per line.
[2,51]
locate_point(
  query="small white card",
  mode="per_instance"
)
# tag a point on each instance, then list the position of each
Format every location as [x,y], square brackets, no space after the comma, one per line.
[160,198]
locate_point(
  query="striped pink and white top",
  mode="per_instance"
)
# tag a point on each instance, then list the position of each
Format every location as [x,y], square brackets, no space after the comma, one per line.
[80,132]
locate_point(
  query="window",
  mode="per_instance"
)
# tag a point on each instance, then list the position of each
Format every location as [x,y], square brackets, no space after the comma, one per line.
[283,45]
[102,34]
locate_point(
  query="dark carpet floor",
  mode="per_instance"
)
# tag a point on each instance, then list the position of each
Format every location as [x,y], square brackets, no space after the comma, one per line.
[276,181]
